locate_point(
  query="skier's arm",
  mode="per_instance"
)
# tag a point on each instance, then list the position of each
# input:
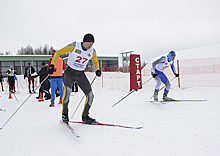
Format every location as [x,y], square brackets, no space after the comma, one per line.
[33,69]
[8,72]
[160,60]
[66,49]
[95,60]
[173,69]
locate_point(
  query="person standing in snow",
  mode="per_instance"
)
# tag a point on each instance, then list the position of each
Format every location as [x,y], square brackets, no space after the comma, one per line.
[45,86]
[1,79]
[28,71]
[157,70]
[56,78]
[79,55]
[11,80]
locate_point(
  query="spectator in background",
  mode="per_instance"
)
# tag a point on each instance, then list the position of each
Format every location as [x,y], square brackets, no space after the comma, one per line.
[11,72]
[1,79]
[56,79]
[28,71]
[45,86]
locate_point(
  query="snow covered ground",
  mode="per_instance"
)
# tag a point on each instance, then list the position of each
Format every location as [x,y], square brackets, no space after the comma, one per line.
[184,128]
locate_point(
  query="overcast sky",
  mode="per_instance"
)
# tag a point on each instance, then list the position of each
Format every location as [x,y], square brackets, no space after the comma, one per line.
[147,27]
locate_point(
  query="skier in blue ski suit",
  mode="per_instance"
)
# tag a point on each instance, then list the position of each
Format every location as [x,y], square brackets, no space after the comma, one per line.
[157,70]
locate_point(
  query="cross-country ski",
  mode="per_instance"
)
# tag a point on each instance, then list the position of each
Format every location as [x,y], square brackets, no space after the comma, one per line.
[70,128]
[109,125]
[164,102]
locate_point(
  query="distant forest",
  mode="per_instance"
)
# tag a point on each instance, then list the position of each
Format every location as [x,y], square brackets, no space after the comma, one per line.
[28,50]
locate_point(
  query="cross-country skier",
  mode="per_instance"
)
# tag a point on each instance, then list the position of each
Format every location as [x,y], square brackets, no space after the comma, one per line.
[79,55]
[158,68]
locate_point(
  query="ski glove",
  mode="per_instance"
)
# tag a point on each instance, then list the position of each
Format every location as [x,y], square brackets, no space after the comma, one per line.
[154,74]
[51,69]
[98,73]
[177,75]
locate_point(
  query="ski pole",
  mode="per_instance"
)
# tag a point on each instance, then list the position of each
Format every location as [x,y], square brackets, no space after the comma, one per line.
[24,102]
[11,90]
[20,84]
[82,99]
[131,92]
[164,86]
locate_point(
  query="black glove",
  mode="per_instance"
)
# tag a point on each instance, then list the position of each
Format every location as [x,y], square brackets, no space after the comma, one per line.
[177,75]
[51,69]
[98,73]
[154,74]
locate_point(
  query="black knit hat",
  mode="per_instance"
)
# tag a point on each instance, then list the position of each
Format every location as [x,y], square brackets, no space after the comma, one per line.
[43,63]
[88,38]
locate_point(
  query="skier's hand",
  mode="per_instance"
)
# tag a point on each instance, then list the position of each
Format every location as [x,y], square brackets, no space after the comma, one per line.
[154,74]
[51,69]
[98,73]
[177,75]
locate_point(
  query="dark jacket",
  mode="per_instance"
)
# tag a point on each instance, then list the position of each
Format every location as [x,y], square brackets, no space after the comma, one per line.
[43,73]
[27,71]
[9,73]
[1,77]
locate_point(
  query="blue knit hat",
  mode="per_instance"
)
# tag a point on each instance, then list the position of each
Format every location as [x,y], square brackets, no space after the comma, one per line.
[171,53]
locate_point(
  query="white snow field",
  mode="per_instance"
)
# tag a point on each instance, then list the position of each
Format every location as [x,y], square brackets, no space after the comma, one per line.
[172,129]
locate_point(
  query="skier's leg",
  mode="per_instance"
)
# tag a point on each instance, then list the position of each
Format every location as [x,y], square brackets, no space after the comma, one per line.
[84,84]
[69,78]
[165,80]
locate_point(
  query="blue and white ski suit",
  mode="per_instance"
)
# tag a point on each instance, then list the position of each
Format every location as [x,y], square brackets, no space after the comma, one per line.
[158,67]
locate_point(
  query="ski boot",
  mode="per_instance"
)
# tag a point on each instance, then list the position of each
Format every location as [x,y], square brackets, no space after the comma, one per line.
[30,91]
[155,96]
[48,97]
[65,118]
[165,98]
[51,105]
[87,119]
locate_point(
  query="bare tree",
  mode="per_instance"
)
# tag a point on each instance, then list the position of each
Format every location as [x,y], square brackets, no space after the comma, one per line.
[38,51]
[8,53]
[42,50]
[46,49]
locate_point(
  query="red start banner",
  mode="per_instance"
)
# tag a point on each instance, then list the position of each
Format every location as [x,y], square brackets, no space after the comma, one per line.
[135,71]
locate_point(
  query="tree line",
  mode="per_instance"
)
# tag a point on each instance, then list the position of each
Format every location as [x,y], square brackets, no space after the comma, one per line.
[42,50]
[29,50]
